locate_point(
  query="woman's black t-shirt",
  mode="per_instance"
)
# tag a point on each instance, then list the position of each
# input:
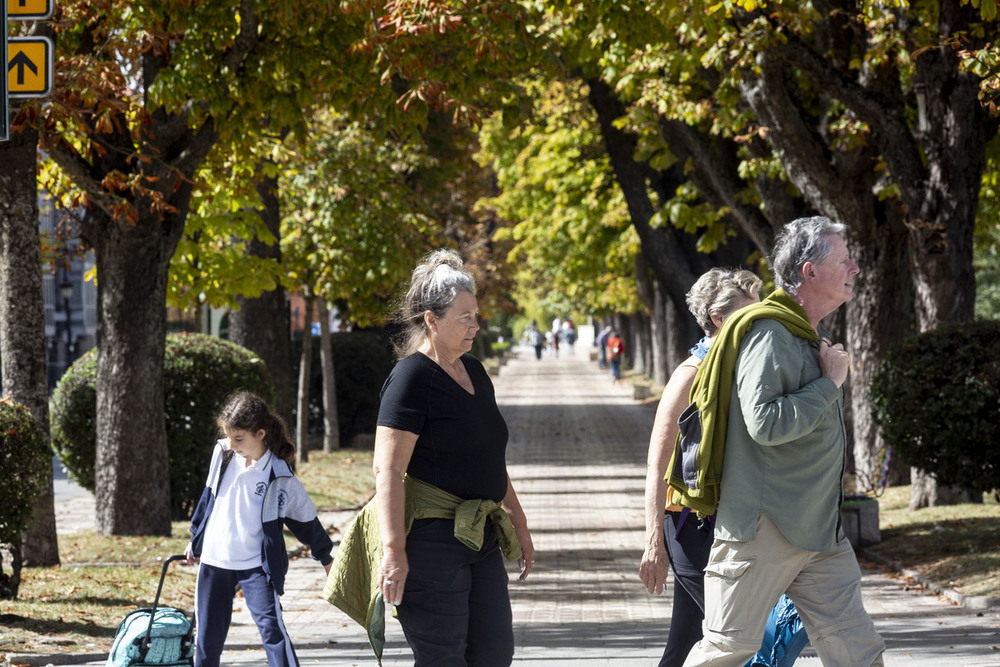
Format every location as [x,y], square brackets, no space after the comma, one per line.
[462,437]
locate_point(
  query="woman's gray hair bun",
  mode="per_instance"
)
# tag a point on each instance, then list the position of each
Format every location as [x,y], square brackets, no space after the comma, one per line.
[435,283]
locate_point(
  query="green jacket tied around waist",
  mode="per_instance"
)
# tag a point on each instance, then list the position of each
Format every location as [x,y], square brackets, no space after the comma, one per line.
[352,585]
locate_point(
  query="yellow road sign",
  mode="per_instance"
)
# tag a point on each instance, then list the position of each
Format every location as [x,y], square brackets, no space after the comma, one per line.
[29,66]
[29,10]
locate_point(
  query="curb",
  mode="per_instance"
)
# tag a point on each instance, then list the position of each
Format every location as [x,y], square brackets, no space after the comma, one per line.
[16,659]
[971,602]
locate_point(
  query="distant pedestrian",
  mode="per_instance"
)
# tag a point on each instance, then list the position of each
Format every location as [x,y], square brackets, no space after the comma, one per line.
[536,338]
[569,334]
[601,341]
[237,531]
[616,350]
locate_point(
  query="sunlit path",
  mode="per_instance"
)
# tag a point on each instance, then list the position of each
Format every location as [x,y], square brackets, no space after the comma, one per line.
[577,457]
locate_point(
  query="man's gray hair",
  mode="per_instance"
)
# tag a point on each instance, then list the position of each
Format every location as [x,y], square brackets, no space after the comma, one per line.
[800,241]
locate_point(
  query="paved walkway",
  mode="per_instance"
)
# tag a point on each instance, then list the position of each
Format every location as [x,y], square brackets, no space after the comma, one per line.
[577,458]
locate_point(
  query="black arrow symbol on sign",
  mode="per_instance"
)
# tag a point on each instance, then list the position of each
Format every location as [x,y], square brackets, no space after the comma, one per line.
[20,61]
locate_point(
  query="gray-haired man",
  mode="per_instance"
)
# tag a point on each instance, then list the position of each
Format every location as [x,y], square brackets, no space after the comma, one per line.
[778,524]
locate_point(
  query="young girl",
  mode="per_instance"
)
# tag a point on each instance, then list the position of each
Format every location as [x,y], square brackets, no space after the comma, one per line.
[236,530]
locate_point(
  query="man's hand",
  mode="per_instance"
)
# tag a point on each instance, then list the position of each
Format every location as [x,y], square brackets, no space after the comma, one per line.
[834,361]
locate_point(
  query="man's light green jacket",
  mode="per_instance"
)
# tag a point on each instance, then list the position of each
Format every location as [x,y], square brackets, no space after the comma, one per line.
[785,443]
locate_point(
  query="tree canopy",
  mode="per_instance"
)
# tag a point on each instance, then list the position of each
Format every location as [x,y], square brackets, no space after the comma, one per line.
[571,232]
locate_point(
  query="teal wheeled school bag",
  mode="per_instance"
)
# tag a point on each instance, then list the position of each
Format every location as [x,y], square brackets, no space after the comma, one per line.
[154,636]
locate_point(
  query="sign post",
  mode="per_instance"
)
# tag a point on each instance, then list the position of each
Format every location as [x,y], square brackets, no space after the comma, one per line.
[29,10]
[29,66]
[4,111]
[28,61]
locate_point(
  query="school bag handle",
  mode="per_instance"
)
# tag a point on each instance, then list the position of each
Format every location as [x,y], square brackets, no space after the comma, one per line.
[144,646]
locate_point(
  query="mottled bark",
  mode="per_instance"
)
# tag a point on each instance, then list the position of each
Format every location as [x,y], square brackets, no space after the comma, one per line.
[840,185]
[22,321]
[936,163]
[302,399]
[132,466]
[331,423]
[262,324]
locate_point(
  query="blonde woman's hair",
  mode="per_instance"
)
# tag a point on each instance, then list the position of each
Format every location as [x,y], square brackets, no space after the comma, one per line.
[720,292]
[435,283]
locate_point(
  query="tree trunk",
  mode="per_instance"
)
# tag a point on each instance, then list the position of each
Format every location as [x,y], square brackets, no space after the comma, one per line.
[302,413]
[262,324]
[22,321]
[671,254]
[660,331]
[646,334]
[926,492]
[944,208]
[331,423]
[841,185]
[132,467]
[643,361]
[934,152]
[878,316]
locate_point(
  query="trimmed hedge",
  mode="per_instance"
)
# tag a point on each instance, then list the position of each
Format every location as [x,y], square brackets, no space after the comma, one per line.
[25,460]
[361,363]
[199,373]
[937,398]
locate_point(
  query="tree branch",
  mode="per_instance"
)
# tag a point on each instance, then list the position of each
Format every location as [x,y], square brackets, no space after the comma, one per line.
[246,40]
[890,130]
[81,173]
[197,149]
[664,254]
[804,154]
[716,177]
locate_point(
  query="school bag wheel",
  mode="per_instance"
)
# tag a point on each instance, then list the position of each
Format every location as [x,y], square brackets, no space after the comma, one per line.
[154,635]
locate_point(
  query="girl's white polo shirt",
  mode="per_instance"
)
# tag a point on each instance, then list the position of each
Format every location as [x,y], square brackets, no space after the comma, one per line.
[235,534]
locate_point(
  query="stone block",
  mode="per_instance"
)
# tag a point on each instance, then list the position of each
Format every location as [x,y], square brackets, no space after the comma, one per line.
[860,520]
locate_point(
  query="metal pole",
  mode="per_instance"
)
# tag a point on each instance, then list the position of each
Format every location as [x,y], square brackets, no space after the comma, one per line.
[66,291]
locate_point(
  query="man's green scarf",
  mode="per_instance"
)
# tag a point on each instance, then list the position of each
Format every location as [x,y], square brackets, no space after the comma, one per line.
[711,392]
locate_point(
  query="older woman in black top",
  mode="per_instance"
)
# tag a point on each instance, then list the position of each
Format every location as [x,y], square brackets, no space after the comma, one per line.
[439,423]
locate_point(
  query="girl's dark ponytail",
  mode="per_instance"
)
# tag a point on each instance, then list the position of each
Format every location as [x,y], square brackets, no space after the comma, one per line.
[278,440]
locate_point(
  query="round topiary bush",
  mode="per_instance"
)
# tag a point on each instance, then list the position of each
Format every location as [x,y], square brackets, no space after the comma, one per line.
[25,460]
[937,397]
[199,373]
